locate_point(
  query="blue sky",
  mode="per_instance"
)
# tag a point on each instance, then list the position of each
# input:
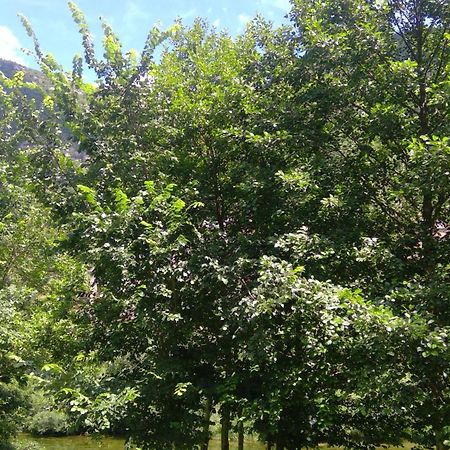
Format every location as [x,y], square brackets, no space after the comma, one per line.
[131,19]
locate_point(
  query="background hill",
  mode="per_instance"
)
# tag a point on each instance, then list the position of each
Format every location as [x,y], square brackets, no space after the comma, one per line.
[9,68]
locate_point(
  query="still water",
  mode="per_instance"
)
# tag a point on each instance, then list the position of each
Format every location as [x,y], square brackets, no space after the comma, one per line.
[87,443]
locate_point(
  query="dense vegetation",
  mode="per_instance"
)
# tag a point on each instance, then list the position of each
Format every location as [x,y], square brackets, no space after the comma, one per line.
[257,229]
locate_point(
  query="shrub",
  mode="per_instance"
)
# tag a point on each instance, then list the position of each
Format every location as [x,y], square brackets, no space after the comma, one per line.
[11,401]
[25,446]
[20,446]
[49,423]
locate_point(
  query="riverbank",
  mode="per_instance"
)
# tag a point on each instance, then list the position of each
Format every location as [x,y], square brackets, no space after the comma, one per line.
[109,443]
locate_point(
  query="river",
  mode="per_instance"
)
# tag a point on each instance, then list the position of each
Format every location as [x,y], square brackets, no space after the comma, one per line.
[87,443]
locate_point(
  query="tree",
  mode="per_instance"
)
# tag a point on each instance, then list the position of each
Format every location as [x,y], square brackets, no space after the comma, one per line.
[378,74]
[121,117]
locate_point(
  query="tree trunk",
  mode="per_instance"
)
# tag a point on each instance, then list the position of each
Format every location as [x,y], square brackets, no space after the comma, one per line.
[424,129]
[206,420]
[439,438]
[225,421]
[278,443]
[438,425]
[240,436]
[269,445]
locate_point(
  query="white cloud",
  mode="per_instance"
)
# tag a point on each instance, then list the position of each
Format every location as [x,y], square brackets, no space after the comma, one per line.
[243,18]
[40,3]
[188,14]
[134,13]
[280,4]
[10,47]
[216,23]
[283,4]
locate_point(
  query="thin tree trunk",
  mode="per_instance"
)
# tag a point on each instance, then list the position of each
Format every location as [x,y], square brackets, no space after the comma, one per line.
[225,432]
[278,444]
[439,438]
[240,436]
[424,129]
[269,445]
[206,421]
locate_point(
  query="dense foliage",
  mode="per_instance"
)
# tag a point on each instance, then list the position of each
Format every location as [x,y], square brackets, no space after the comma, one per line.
[254,227]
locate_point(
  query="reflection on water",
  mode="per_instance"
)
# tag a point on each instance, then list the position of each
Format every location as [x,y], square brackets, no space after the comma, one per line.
[87,443]
[74,443]
[250,444]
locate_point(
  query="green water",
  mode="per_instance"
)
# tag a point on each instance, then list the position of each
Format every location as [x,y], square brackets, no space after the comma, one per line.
[74,443]
[87,443]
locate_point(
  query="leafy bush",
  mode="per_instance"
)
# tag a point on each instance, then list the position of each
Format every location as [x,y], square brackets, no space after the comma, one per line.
[11,401]
[24,446]
[6,446]
[19,446]
[49,423]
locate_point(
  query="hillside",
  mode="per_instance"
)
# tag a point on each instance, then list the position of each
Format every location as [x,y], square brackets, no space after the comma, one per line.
[9,68]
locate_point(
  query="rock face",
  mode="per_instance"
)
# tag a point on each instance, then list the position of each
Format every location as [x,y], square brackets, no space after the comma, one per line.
[9,68]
